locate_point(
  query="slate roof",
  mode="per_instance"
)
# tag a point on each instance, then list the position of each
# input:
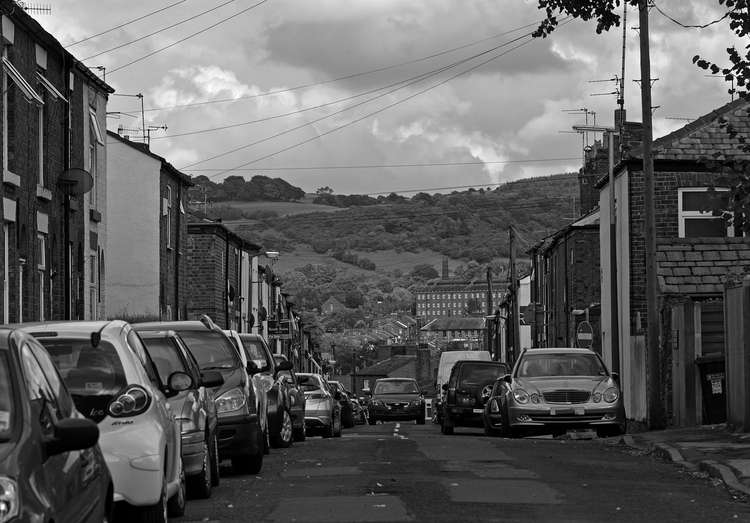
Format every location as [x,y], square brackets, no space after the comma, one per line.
[385,367]
[455,323]
[700,266]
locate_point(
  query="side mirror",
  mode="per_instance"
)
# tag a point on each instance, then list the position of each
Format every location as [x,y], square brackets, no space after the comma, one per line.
[615,376]
[178,381]
[212,378]
[507,378]
[252,368]
[72,434]
[284,365]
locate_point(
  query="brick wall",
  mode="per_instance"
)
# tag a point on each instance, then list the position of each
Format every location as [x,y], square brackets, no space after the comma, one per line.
[205,270]
[173,277]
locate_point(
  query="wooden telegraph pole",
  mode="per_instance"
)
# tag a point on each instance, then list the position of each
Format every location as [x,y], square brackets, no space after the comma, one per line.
[513,323]
[653,385]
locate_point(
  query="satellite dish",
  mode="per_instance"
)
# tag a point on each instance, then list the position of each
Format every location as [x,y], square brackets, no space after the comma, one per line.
[75,181]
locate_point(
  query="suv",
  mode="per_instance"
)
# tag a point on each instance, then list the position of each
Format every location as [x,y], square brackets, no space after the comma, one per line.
[347,407]
[240,434]
[396,399]
[466,391]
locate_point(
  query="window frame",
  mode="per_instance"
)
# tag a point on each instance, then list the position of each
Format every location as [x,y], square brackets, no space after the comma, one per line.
[682,215]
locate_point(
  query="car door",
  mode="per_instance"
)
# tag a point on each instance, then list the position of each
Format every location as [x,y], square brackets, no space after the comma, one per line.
[71,478]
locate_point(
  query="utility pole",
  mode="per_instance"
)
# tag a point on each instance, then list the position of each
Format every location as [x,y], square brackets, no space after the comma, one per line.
[513,322]
[488,321]
[655,411]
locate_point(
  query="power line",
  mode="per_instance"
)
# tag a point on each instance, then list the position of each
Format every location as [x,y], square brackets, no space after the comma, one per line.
[341,78]
[402,84]
[187,37]
[693,26]
[124,24]
[389,166]
[157,31]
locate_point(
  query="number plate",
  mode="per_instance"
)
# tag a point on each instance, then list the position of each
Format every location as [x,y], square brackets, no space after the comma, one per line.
[580,411]
[552,412]
[477,411]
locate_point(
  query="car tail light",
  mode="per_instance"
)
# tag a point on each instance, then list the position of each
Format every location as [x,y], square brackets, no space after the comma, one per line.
[134,400]
[9,502]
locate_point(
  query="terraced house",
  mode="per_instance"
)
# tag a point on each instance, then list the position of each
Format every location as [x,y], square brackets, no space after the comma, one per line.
[54,184]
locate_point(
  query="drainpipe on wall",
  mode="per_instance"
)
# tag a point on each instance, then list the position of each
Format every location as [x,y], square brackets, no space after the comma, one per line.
[66,197]
[176,312]
[226,280]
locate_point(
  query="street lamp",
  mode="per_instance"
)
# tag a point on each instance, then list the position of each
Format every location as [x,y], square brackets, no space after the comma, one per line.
[614,315]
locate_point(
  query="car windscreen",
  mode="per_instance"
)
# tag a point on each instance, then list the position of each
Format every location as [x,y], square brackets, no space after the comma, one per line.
[94,375]
[478,374]
[255,352]
[6,403]
[165,355]
[560,364]
[211,349]
[309,383]
[396,387]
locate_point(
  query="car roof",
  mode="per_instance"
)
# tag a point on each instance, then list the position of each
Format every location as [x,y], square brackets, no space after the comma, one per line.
[166,333]
[73,328]
[182,325]
[550,350]
[396,379]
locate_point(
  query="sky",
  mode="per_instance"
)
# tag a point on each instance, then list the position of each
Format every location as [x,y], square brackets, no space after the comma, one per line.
[375,96]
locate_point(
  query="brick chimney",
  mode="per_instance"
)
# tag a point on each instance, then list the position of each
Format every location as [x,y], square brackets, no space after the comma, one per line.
[445,267]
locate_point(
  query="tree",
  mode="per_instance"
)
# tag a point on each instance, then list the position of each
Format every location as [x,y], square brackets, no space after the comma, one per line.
[424,271]
[324,190]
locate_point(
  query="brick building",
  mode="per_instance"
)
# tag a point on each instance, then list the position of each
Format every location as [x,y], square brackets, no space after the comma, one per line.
[214,271]
[147,242]
[54,183]
[456,298]
[695,253]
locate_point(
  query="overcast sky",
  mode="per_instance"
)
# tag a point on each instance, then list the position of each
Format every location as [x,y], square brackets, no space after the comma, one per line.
[345,83]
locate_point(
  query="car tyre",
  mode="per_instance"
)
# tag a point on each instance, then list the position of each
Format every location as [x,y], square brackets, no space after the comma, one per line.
[250,463]
[176,504]
[199,485]
[215,461]
[283,438]
[299,434]
[421,419]
[337,428]
[328,432]
[266,442]
[348,419]
[446,426]
[372,420]
[489,430]
[157,513]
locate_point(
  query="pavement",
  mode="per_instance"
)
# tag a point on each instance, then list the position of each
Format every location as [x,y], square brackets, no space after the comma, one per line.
[712,449]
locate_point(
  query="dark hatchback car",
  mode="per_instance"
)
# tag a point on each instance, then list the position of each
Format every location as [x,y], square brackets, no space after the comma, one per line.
[395,399]
[51,468]
[240,435]
[347,406]
[193,407]
[466,392]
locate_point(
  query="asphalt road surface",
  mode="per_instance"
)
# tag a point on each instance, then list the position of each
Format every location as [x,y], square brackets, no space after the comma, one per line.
[407,472]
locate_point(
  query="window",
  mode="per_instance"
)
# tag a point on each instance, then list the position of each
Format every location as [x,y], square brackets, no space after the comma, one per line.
[168,214]
[41,264]
[95,140]
[696,219]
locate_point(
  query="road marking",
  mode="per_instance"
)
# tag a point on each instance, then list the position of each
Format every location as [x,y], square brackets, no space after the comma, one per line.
[395,430]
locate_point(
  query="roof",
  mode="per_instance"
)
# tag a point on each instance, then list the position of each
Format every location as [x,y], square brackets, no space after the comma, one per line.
[385,367]
[165,165]
[687,266]
[455,323]
[218,228]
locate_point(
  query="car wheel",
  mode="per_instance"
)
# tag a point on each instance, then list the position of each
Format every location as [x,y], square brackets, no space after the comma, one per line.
[489,430]
[266,442]
[199,485]
[299,434]
[250,463]
[421,419]
[176,504]
[348,419]
[446,426]
[156,513]
[283,438]
[215,462]
[337,428]
[372,420]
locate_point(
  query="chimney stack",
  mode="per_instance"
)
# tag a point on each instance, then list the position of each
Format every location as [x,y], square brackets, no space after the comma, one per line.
[445,267]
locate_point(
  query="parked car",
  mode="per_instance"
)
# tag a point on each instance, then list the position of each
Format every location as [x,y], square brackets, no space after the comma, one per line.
[322,409]
[45,442]
[345,400]
[554,390]
[264,370]
[445,366]
[114,383]
[240,433]
[396,399]
[296,398]
[194,408]
[360,412]
[466,392]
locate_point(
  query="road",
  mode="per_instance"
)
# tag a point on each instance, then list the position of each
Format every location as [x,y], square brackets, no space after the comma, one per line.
[407,472]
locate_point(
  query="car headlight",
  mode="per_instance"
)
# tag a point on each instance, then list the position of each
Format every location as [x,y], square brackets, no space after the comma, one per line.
[611,395]
[521,396]
[9,502]
[231,400]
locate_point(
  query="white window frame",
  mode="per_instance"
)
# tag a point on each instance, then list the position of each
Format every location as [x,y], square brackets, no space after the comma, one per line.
[694,215]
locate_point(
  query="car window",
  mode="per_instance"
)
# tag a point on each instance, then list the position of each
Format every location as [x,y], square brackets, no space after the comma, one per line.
[211,349]
[61,395]
[93,375]
[481,374]
[40,392]
[256,352]
[6,405]
[396,387]
[148,365]
[165,355]
[560,364]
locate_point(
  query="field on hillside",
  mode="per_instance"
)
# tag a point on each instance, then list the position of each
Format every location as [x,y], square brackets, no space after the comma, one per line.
[282,208]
